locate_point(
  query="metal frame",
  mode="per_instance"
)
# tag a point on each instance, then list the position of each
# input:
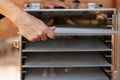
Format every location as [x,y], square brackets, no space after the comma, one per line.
[59,10]
[114,53]
[114,37]
[118,56]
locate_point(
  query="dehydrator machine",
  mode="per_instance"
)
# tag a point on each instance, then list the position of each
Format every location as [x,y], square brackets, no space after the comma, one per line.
[86,46]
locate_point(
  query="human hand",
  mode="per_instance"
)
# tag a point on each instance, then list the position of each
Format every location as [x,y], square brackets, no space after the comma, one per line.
[32,28]
[46,3]
[57,3]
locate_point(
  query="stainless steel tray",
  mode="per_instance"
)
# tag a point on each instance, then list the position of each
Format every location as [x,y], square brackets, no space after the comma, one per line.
[83,31]
[67,45]
[45,60]
[59,10]
[75,74]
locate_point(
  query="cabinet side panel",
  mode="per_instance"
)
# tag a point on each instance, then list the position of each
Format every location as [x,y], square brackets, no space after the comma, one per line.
[118,68]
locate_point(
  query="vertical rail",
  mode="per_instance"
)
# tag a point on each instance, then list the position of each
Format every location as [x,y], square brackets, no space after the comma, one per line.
[20,52]
[115,47]
[118,62]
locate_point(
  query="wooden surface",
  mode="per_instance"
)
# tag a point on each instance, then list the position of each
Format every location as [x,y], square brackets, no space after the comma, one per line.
[117,4]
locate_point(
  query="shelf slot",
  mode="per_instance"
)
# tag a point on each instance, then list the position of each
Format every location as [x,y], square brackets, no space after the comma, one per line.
[24,72]
[109,18]
[109,26]
[24,57]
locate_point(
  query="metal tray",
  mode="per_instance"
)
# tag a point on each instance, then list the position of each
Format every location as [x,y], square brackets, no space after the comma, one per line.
[42,60]
[74,74]
[83,31]
[67,45]
[64,10]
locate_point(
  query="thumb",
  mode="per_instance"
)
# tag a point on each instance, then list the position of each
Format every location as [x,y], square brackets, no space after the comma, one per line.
[53,28]
[50,32]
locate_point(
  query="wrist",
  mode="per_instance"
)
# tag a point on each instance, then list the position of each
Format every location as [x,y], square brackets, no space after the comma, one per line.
[21,18]
[16,15]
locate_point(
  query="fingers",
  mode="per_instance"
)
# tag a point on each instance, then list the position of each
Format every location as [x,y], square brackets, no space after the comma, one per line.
[49,6]
[52,4]
[33,36]
[38,31]
[70,5]
[50,32]
[41,36]
[44,38]
[61,4]
[52,28]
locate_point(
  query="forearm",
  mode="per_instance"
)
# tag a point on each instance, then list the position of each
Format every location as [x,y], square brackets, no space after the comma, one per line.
[9,9]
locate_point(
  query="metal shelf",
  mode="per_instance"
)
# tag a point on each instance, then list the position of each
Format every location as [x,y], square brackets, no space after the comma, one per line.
[67,45]
[59,10]
[65,60]
[60,31]
[79,54]
[83,32]
[74,74]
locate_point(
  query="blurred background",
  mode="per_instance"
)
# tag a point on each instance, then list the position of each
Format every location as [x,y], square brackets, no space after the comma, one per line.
[9,56]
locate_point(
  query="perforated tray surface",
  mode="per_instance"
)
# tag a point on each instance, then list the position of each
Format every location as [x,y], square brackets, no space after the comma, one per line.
[66,45]
[65,60]
[74,74]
